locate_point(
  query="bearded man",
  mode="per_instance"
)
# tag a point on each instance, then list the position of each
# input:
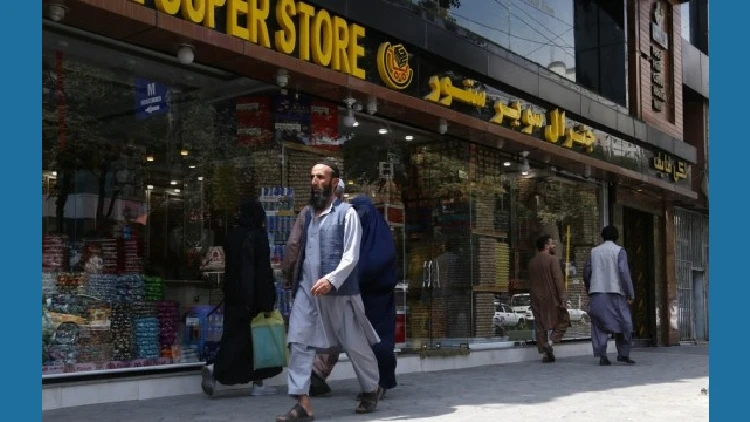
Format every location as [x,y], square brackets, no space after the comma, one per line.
[328,312]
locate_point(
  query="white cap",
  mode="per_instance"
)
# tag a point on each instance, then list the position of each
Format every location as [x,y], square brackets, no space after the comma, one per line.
[340,186]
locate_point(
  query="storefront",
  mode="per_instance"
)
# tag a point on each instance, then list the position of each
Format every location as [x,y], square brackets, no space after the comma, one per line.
[151,139]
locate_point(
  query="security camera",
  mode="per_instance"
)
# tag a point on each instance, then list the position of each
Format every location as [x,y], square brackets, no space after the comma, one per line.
[282,78]
[443,127]
[56,11]
[372,105]
[185,53]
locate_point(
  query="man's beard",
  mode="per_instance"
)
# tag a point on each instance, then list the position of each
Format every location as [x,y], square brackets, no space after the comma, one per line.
[319,198]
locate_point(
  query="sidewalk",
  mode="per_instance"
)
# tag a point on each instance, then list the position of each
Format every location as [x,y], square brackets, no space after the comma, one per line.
[665,385]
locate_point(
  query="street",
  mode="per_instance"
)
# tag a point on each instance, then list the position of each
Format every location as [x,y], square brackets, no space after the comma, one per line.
[664,385]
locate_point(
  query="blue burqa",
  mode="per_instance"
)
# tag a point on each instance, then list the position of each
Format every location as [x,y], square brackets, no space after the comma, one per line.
[378,275]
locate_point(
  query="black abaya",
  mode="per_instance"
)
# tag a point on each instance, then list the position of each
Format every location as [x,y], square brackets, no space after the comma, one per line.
[248,290]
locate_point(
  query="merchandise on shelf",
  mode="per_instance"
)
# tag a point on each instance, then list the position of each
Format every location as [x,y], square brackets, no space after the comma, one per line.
[55,253]
[168,313]
[154,288]
[146,337]
[502,259]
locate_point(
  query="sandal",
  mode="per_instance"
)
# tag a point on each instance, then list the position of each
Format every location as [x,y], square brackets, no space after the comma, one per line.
[381,394]
[368,402]
[296,414]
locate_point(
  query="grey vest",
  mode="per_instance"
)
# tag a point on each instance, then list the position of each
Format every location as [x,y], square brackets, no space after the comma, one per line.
[605,273]
[331,244]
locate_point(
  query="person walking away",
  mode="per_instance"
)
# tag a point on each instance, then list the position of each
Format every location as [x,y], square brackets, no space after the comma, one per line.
[547,297]
[328,311]
[610,289]
[248,290]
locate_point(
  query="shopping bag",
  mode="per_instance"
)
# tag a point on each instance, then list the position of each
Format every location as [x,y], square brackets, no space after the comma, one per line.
[269,341]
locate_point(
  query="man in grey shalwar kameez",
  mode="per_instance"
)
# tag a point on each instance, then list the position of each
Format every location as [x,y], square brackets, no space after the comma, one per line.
[610,289]
[328,311]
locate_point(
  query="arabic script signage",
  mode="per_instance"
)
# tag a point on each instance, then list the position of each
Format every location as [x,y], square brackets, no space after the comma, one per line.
[670,167]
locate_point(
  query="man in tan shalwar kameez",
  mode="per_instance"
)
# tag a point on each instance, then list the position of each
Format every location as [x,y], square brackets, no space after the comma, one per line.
[547,297]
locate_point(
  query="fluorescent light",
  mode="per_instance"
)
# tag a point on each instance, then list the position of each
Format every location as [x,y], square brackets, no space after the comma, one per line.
[173,182]
[409,137]
[184,152]
[192,166]
[176,191]
[355,124]
[506,164]
[149,187]
[149,158]
[200,177]
[382,131]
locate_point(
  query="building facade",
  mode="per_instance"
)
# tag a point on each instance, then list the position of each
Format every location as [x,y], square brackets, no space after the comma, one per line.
[474,128]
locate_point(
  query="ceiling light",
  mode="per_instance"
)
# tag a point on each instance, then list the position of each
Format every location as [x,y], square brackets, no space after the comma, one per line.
[184,152]
[200,177]
[173,182]
[54,173]
[149,187]
[506,164]
[355,124]
[524,173]
[150,158]
[382,131]
[176,191]
[192,166]
[409,137]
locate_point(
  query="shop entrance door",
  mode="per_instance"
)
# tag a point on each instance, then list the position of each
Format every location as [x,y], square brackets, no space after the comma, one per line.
[438,230]
[638,241]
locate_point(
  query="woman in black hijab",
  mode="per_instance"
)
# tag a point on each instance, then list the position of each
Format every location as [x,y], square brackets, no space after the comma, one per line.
[248,290]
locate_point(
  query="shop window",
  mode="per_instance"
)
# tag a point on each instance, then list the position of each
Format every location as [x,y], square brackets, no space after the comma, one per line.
[145,164]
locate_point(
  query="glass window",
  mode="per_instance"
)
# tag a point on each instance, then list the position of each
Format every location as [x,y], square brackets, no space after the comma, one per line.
[145,164]
[600,44]
[685,22]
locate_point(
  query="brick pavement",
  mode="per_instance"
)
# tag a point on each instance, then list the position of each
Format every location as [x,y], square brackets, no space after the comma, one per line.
[665,385]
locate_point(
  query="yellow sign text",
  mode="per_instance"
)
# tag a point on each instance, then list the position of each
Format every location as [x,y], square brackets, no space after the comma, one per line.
[443,92]
[315,35]
[557,128]
[663,164]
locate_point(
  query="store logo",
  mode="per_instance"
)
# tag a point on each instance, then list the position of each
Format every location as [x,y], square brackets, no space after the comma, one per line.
[393,66]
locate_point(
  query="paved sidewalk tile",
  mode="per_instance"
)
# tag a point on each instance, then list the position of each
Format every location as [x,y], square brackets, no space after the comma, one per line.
[664,385]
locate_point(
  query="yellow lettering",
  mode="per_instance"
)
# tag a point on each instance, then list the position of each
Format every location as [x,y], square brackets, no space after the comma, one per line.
[531,121]
[258,25]
[556,127]
[170,7]
[140,1]
[194,10]
[512,112]
[209,20]
[356,50]
[446,90]
[305,12]
[681,171]
[234,9]
[322,39]
[340,60]
[579,135]
[434,84]
[286,36]
[658,162]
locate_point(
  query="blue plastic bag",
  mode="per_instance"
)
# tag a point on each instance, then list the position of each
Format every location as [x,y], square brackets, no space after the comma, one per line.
[269,341]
